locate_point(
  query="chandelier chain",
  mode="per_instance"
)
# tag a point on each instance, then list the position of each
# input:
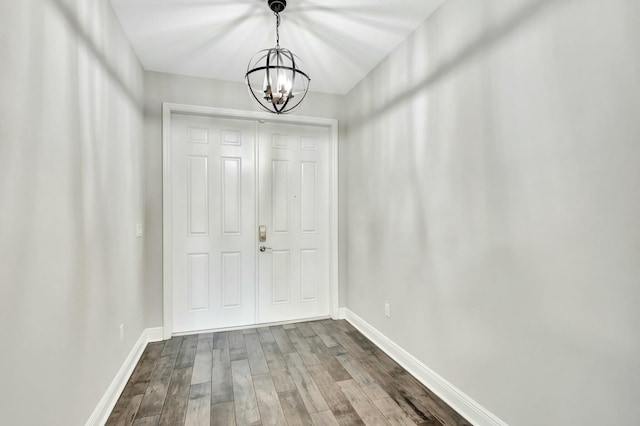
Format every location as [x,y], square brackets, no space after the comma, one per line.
[277,29]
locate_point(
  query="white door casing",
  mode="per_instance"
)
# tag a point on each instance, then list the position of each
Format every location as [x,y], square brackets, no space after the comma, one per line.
[293,273]
[231,160]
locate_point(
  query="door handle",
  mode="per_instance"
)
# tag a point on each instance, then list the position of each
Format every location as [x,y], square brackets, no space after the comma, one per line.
[263,248]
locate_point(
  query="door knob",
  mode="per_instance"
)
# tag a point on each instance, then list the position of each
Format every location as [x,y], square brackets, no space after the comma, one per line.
[263,248]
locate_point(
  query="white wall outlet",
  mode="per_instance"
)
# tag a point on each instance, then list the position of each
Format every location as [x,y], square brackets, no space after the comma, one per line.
[387,309]
[121,332]
[139,230]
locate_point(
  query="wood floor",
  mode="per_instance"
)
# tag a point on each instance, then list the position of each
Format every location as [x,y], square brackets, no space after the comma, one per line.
[310,373]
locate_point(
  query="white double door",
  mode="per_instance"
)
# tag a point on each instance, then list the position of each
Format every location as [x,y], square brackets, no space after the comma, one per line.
[228,178]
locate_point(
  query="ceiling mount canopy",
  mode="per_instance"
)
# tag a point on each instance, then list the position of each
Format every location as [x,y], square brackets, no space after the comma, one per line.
[274,76]
[277,5]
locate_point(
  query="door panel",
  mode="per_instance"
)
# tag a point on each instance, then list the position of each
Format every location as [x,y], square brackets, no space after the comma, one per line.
[294,205]
[213,202]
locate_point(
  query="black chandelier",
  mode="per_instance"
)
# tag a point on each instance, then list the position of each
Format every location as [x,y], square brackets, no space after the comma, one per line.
[274,76]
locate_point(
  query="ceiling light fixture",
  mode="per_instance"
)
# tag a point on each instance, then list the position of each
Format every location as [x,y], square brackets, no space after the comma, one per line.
[274,76]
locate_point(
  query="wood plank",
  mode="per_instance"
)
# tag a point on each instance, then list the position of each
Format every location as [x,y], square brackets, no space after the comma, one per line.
[274,358]
[370,387]
[271,413]
[386,363]
[199,405]
[237,348]
[362,341]
[392,411]
[203,363]
[172,346]
[124,412]
[257,360]
[223,414]
[344,325]
[413,408]
[236,339]
[249,331]
[348,343]
[311,395]
[243,394]
[288,326]
[368,412]
[282,339]
[294,409]
[305,329]
[302,347]
[283,381]
[156,392]
[293,360]
[147,421]
[220,340]
[327,358]
[205,342]
[325,418]
[141,376]
[330,325]
[221,382]
[323,334]
[338,403]
[187,354]
[421,396]
[338,350]
[175,406]
[264,333]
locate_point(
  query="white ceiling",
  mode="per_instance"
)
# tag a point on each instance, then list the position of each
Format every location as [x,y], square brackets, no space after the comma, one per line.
[339,41]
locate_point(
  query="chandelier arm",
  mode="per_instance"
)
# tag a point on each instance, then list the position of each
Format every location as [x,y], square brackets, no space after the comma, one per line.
[268,74]
[284,106]
[254,95]
[293,74]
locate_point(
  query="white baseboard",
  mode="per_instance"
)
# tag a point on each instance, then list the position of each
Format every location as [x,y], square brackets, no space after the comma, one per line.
[108,401]
[458,400]
[342,313]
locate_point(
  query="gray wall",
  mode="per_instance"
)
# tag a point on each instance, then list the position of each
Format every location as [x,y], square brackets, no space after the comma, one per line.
[161,88]
[71,139]
[492,173]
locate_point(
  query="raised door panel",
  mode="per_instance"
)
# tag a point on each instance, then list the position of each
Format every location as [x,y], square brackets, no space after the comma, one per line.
[280,276]
[308,275]
[280,196]
[198,195]
[231,280]
[198,281]
[231,195]
[308,196]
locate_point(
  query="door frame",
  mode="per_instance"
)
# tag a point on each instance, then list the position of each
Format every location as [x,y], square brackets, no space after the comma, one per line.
[168,109]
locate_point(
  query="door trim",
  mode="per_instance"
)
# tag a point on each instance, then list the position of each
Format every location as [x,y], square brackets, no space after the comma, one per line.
[167,215]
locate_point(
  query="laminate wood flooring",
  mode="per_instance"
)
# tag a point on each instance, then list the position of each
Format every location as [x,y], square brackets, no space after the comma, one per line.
[310,373]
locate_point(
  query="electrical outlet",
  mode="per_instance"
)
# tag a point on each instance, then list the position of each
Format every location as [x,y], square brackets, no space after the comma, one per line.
[139,230]
[121,332]
[387,309]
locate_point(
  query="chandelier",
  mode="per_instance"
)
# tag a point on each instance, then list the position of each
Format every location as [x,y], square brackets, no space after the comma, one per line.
[274,76]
